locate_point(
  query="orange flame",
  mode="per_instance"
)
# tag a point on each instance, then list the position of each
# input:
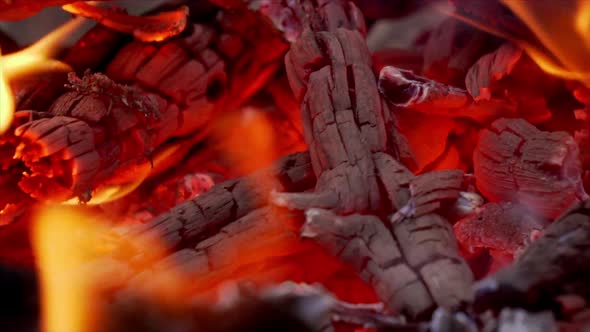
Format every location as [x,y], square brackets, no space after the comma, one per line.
[67,306]
[33,60]
[81,258]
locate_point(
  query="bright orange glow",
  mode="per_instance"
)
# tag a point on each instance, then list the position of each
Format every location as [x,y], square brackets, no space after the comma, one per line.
[563,27]
[135,175]
[248,140]
[6,100]
[67,306]
[33,60]
[80,257]
[151,28]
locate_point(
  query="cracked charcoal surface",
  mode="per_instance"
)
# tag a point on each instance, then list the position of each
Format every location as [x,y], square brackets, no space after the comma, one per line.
[518,163]
[226,202]
[180,82]
[557,263]
[344,120]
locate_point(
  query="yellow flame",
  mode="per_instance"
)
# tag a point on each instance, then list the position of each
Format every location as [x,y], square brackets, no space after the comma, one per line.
[6,100]
[563,27]
[65,286]
[33,60]
[138,173]
[81,258]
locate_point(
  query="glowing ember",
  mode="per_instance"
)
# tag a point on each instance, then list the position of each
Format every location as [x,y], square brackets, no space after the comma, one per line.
[153,28]
[33,60]
[13,10]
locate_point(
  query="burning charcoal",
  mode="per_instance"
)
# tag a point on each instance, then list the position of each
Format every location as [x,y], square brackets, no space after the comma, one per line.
[92,50]
[490,68]
[154,28]
[429,192]
[555,264]
[402,88]
[128,129]
[505,229]
[345,170]
[228,201]
[516,162]
[510,75]
[452,48]
[400,262]
[74,151]
[20,9]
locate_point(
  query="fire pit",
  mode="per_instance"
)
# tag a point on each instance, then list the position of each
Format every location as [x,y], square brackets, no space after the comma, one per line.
[254,166]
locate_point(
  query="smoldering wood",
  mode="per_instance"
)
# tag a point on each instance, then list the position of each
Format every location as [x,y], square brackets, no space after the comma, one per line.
[399,259]
[516,162]
[149,28]
[178,104]
[92,50]
[555,264]
[491,68]
[403,88]
[229,201]
[502,228]
[344,121]
[346,176]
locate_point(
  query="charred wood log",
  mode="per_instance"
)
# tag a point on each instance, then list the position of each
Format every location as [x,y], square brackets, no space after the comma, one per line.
[344,121]
[115,133]
[227,202]
[516,162]
[555,264]
[339,100]
[398,259]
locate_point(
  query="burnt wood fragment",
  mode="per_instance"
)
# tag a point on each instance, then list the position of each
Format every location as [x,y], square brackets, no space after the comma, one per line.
[406,264]
[555,264]
[227,202]
[403,88]
[516,162]
[503,229]
[490,68]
